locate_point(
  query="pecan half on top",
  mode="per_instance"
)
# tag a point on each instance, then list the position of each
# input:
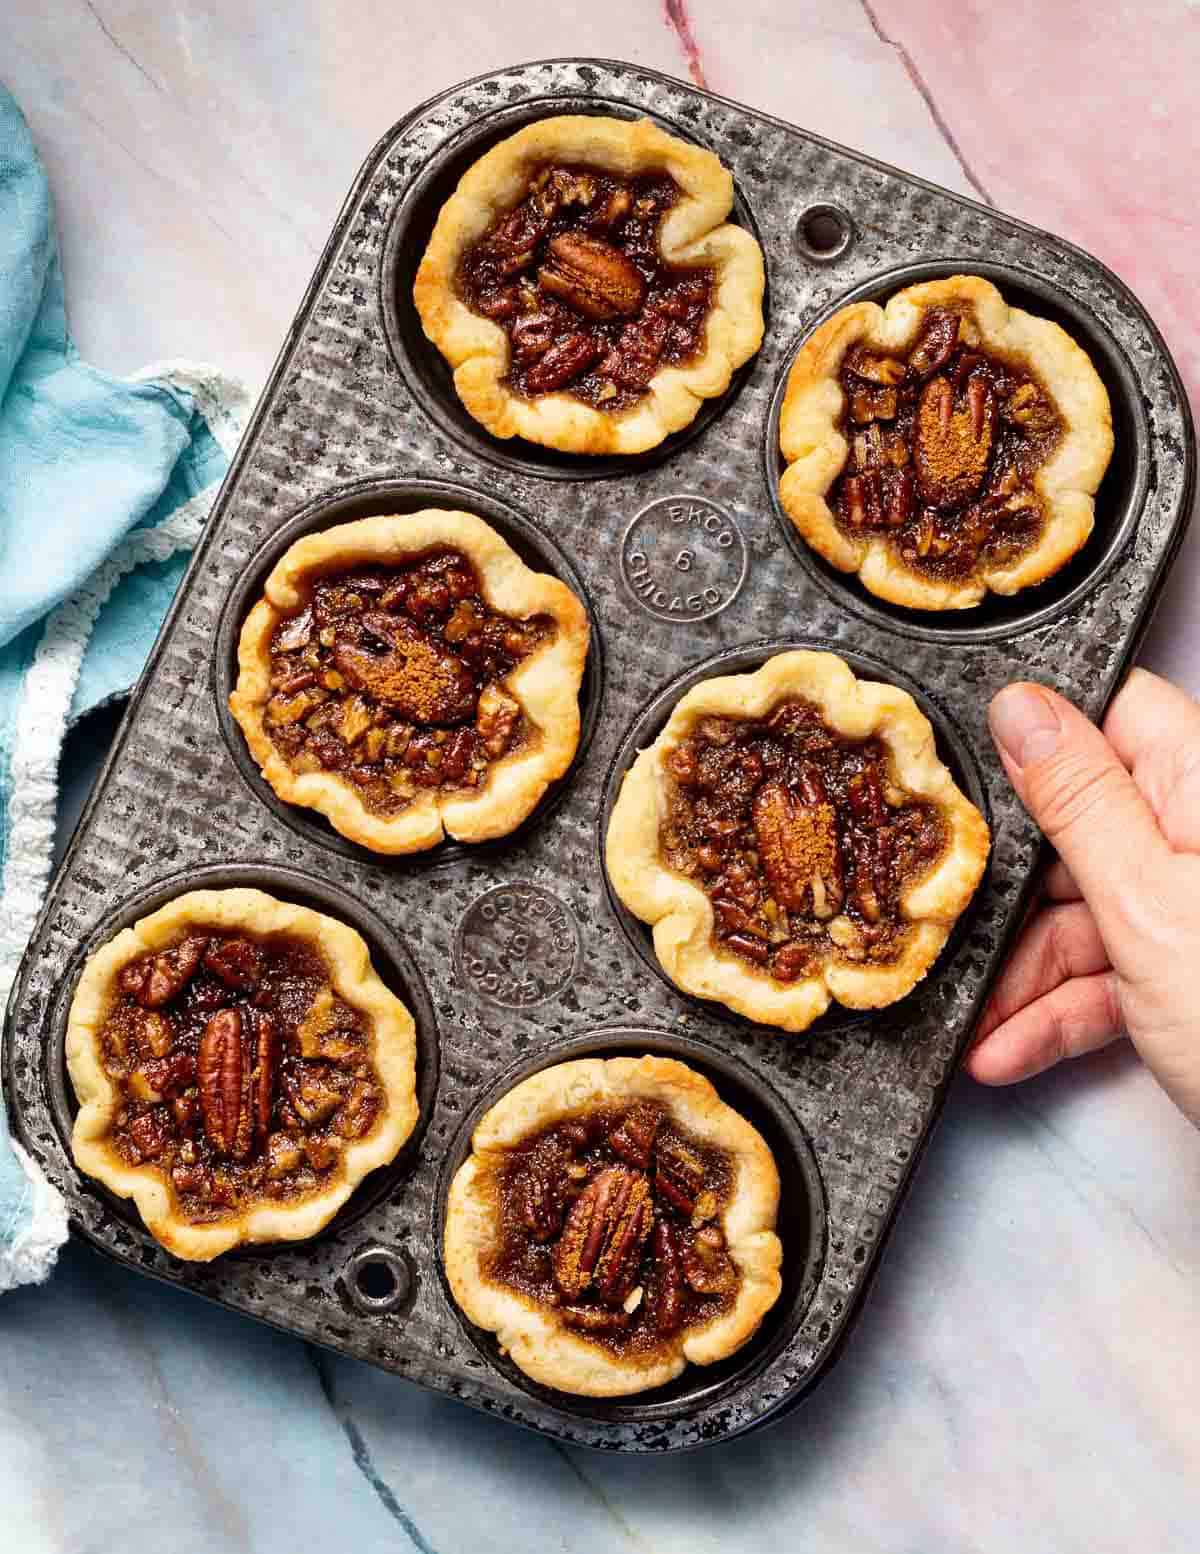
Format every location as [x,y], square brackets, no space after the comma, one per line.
[240,1076]
[611,1218]
[802,838]
[575,278]
[798,848]
[945,443]
[394,678]
[601,1244]
[592,276]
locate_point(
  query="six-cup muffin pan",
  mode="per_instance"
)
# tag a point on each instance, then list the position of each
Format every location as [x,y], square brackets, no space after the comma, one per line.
[515,955]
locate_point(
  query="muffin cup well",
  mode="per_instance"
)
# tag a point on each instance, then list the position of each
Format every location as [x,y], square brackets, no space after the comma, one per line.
[801,1225]
[369,499]
[952,748]
[427,372]
[389,956]
[1119,499]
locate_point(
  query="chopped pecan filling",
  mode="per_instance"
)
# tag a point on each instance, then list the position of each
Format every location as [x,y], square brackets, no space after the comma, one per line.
[944,447]
[393,677]
[612,1218]
[574,277]
[801,838]
[241,1075]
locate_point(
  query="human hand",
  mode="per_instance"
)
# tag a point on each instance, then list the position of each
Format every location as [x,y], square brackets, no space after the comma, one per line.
[1115,944]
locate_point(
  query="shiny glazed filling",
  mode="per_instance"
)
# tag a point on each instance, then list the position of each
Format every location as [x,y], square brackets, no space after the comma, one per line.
[393,677]
[575,279]
[944,446]
[612,1218]
[241,1075]
[801,838]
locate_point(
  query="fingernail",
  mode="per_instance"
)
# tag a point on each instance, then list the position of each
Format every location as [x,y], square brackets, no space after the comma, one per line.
[1024,724]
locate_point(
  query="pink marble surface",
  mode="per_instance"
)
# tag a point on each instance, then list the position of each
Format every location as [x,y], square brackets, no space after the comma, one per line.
[1026,1376]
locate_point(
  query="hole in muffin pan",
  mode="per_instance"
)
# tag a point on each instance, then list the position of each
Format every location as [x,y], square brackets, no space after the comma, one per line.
[369,499]
[423,366]
[953,750]
[379,1281]
[824,233]
[397,969]
[801,1226]
[1119,500]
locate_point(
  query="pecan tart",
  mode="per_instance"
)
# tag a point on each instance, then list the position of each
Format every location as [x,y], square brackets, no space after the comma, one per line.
[793,838]
[240,1068]
[585,286]
[945,445]
[614,1221]
[411,677]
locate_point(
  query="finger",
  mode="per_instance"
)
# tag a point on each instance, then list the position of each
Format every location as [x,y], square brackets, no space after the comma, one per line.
[1149,711]
[1155,729]
[1077,1017]
[1057,944]
[1059,883]
[1070,780]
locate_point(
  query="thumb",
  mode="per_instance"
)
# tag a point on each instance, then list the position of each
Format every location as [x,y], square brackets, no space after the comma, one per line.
[1070,780]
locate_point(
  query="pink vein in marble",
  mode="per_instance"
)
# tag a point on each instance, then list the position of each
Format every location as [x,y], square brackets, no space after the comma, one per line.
[680,23]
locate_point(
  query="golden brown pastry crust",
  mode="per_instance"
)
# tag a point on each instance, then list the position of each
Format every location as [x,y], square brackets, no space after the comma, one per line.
[393,1049]
[681,913]
[815,450]
[694,232]
[541,1347]
[546,683]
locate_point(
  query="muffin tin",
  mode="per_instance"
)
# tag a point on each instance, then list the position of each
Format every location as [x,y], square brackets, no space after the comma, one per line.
[514,956]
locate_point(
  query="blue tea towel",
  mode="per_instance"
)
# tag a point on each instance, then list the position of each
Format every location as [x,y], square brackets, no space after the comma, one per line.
[104,486]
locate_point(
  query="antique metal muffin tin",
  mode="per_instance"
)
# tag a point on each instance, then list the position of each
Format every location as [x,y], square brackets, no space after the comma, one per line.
[513,956]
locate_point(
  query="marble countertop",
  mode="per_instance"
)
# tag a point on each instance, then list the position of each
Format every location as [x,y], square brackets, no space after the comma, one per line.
[1027,1373]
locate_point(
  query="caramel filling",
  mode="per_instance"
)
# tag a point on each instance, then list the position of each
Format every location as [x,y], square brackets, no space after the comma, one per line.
[241,1075]
[944,447]
[394,678]
[611,1218]
[574,277]
[801,838]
